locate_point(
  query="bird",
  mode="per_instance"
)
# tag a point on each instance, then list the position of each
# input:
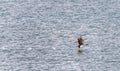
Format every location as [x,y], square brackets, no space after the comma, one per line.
[80,41]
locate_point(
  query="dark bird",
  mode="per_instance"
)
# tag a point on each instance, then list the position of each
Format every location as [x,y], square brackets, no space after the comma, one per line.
[80,41]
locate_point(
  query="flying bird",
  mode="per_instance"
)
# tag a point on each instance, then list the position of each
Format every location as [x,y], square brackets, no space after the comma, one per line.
[80,41]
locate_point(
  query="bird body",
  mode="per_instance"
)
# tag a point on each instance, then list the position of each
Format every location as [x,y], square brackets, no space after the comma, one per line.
[80,41]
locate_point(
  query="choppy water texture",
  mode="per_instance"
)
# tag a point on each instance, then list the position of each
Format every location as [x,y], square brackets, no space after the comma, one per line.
[41,35]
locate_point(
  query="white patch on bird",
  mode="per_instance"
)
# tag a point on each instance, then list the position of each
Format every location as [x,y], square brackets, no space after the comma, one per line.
[81,45]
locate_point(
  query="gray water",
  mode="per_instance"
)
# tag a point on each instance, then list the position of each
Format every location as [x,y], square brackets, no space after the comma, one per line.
[41,35]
